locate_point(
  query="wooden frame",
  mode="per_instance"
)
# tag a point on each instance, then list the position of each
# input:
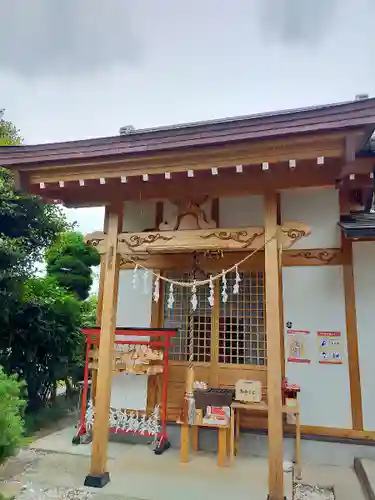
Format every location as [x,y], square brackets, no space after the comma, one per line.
[274,354]
[182,261]
[351,326]
[98,471]
[200,240]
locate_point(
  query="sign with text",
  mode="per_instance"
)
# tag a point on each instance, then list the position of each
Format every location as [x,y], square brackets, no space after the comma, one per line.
[296,346]
[330,348]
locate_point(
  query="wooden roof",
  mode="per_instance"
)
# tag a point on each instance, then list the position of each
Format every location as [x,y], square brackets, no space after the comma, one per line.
[317,119]
[231,156]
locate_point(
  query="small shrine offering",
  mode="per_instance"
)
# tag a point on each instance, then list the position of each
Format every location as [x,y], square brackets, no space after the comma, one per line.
[213,406]
[248,391]
[289,392]
[217,415]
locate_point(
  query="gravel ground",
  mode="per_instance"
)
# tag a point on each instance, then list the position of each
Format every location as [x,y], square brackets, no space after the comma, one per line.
[30,492]
[308,492]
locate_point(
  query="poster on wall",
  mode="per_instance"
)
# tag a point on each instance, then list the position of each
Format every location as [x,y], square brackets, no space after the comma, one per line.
[330,348]
[297,346]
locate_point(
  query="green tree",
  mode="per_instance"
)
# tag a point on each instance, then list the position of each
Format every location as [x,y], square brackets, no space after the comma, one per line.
[39,321]
[27,227]
[47,341]
[9,134]
[70,260]
[89,309]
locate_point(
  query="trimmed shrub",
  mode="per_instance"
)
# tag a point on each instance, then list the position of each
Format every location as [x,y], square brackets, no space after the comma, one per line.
[11,411]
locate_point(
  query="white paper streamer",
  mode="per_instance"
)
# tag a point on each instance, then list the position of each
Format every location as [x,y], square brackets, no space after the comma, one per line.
[194,299]
[127,421]
[211,297]
[145,281]
[170,297]
[135,276]
[157,289]
[236,286]
[224,294]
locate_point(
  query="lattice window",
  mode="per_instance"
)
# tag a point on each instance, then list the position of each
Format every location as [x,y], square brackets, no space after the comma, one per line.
[178,317]
[242,336]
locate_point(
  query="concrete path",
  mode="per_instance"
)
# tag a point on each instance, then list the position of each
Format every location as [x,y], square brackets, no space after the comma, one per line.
[55,469]
[138,474]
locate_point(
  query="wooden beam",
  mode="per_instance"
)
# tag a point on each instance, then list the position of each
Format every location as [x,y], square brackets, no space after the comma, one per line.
[272,291]
[290,258]
[197,240]
[351,325]
[228,183]
[99,476]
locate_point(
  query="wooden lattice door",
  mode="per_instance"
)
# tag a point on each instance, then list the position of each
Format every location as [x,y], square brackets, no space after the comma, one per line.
[229,338]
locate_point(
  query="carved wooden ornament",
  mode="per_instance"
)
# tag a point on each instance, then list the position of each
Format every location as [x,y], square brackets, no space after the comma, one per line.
[201,240]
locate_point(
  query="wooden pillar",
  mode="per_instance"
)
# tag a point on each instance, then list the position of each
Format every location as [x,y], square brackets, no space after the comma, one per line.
[274,354]
[99,476]
[351,324]
[352,336]
[94,375]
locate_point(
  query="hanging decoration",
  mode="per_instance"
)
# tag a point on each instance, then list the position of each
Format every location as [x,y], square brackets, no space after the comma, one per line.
[170,297]
[135,276]
[194,284]
[157,288]
[145,280]
[224,294]
[211,297]
[194,299]
[236,286]
[127,421]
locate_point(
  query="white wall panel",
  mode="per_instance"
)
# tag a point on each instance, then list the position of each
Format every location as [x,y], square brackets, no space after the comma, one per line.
[319,208]
[314,300]
[133,310]
[139,216]
[241,211]
[364,282]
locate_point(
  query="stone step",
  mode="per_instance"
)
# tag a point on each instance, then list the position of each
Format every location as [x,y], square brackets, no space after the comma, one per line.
[365,470]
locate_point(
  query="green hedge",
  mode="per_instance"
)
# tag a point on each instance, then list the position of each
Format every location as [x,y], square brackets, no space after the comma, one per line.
[11,415]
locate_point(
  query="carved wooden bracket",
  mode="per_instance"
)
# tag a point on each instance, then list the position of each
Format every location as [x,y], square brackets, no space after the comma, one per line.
[202,240]
[98,240]
[190,216]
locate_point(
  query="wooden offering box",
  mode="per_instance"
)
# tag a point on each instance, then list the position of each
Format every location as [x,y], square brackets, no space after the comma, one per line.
[213,397]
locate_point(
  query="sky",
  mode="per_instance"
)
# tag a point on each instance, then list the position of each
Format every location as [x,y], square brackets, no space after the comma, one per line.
[76,69]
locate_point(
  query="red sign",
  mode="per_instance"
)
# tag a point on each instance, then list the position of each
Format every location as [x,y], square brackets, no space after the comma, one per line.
[328,334]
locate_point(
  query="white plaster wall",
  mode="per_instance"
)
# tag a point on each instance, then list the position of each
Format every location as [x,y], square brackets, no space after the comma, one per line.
[314,300]
[364,282]
[242,211]
[319,208]
[133,310]
[139,216]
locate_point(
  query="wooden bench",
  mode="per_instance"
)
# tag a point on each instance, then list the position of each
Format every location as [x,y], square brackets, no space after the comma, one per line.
[236,409]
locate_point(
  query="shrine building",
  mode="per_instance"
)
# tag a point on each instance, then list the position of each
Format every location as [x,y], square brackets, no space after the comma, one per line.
[252,239]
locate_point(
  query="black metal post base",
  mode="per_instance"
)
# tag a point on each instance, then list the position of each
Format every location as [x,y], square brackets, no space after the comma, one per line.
[162,447]
[97,481]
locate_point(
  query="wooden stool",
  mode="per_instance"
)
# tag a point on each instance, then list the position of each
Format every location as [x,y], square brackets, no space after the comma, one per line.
[235,429]
[223,441]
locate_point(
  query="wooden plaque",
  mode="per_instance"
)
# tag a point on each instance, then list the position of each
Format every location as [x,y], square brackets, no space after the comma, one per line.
[248,391]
